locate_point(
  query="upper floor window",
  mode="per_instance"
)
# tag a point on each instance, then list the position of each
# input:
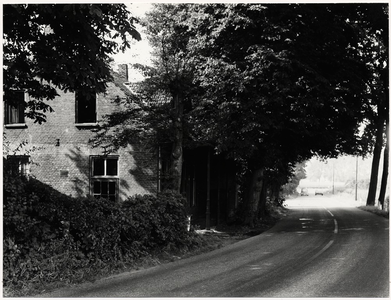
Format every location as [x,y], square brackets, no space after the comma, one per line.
[85,108]
[14,107]
[104,177]
[18,165]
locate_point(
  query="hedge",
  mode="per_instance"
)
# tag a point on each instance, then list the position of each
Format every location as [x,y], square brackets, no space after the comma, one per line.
[51,237]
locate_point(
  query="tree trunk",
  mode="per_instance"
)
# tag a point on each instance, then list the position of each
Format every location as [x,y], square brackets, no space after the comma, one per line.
[177,162]
[375,162]
[277,191]
[177,145]
[254,196]
[272,187]
[384,178]
[262,201]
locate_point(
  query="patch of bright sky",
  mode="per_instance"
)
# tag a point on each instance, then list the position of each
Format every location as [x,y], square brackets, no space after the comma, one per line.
[140,50]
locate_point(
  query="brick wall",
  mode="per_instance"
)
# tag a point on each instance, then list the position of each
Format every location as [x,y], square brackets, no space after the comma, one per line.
[66,166]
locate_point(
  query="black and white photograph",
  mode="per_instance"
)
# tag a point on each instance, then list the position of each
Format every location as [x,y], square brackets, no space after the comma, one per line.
[195,149]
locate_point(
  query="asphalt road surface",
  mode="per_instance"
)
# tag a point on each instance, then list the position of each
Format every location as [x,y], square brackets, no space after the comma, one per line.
[321,249]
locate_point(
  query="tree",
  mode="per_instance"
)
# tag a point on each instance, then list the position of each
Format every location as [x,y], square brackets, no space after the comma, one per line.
[271,85]
[384,178]
[281,83]
[375,52]
[65,46]
[173,74]
[158,111]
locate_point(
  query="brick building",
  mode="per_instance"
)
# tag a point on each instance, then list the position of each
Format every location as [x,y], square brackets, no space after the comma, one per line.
[58,152]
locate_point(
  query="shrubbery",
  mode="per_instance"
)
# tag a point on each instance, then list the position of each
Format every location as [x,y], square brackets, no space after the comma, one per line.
[51,237]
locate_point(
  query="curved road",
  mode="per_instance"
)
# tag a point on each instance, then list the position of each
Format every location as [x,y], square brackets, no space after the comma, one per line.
[321,249]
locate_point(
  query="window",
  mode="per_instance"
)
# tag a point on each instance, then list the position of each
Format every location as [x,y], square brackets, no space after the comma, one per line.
[85,108]
[14,107]
[18,165]
[104,177]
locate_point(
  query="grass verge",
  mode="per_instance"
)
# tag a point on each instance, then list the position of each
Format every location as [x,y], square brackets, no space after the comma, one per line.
[375,210]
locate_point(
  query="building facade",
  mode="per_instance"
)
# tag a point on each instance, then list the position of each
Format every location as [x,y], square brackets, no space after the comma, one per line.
[58,152]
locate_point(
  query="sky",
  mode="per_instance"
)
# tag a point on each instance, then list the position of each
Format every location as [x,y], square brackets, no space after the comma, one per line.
[139,52]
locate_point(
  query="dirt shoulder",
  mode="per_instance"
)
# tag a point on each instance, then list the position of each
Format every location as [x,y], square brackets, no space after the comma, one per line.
[224,235]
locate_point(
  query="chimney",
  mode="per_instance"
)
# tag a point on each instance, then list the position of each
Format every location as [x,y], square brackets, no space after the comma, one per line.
[123,71]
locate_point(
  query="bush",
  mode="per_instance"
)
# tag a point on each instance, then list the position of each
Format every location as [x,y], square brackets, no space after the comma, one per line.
[51,237]
[33,233]
[156,221]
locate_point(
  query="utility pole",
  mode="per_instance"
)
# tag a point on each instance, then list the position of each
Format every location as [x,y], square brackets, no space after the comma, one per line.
[355,194]
[333,176]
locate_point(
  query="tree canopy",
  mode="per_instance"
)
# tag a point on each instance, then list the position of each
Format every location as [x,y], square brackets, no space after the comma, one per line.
[270,85]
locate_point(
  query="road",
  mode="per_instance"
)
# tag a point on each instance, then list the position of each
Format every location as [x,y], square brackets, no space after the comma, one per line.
[321,249]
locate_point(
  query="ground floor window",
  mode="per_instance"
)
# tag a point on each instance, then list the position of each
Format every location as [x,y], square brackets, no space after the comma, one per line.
[105,188]
[18,165]
[104,177]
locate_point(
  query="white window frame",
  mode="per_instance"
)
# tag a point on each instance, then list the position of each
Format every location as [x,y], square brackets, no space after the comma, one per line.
[104,177]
